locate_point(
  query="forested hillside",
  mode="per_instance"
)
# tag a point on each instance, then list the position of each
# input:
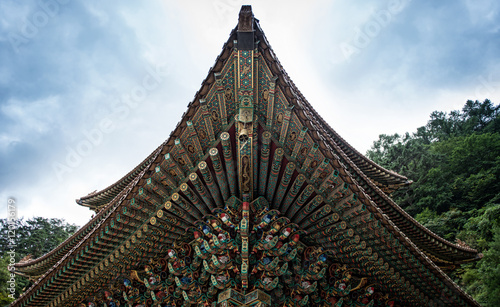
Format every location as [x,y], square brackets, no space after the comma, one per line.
[33,237]
[454,162]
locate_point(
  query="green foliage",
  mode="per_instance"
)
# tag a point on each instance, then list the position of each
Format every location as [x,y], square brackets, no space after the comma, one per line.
[482,279]
[473,284]
[4,278]
[478,230]
[445,225]
[454,161]
[489,270]
[35,237]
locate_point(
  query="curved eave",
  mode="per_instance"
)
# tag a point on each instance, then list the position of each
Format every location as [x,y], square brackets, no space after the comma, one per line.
[442,251]
[383,178]
[95,200]
[41,265]
[93,227]
[373,177]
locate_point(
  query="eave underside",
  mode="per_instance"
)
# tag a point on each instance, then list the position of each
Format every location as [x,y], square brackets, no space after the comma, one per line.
[127,238]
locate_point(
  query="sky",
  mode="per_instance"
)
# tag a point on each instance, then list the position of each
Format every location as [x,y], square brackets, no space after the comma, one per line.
[88,89]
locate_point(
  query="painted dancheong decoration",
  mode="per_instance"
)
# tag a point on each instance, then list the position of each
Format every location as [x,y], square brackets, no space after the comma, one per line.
[254,200]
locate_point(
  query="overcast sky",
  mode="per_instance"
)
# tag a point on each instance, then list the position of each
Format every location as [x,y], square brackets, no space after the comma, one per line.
[89,89]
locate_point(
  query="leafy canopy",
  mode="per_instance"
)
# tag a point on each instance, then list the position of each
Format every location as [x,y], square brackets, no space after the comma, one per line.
[454,161]
[35,237]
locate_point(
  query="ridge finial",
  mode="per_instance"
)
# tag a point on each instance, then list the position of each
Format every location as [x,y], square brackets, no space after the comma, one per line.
[245,33]
[245,21]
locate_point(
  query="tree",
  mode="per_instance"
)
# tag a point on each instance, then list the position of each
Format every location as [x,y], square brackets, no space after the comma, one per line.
[4,278]
[490,270]
[35,237]
[454,161]
[481,116]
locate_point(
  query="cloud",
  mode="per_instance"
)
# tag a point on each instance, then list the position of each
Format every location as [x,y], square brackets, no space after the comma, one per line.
[63,82]
[405,64]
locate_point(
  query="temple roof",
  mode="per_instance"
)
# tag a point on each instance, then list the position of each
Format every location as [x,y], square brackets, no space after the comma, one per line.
[302,169]
[378,181]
